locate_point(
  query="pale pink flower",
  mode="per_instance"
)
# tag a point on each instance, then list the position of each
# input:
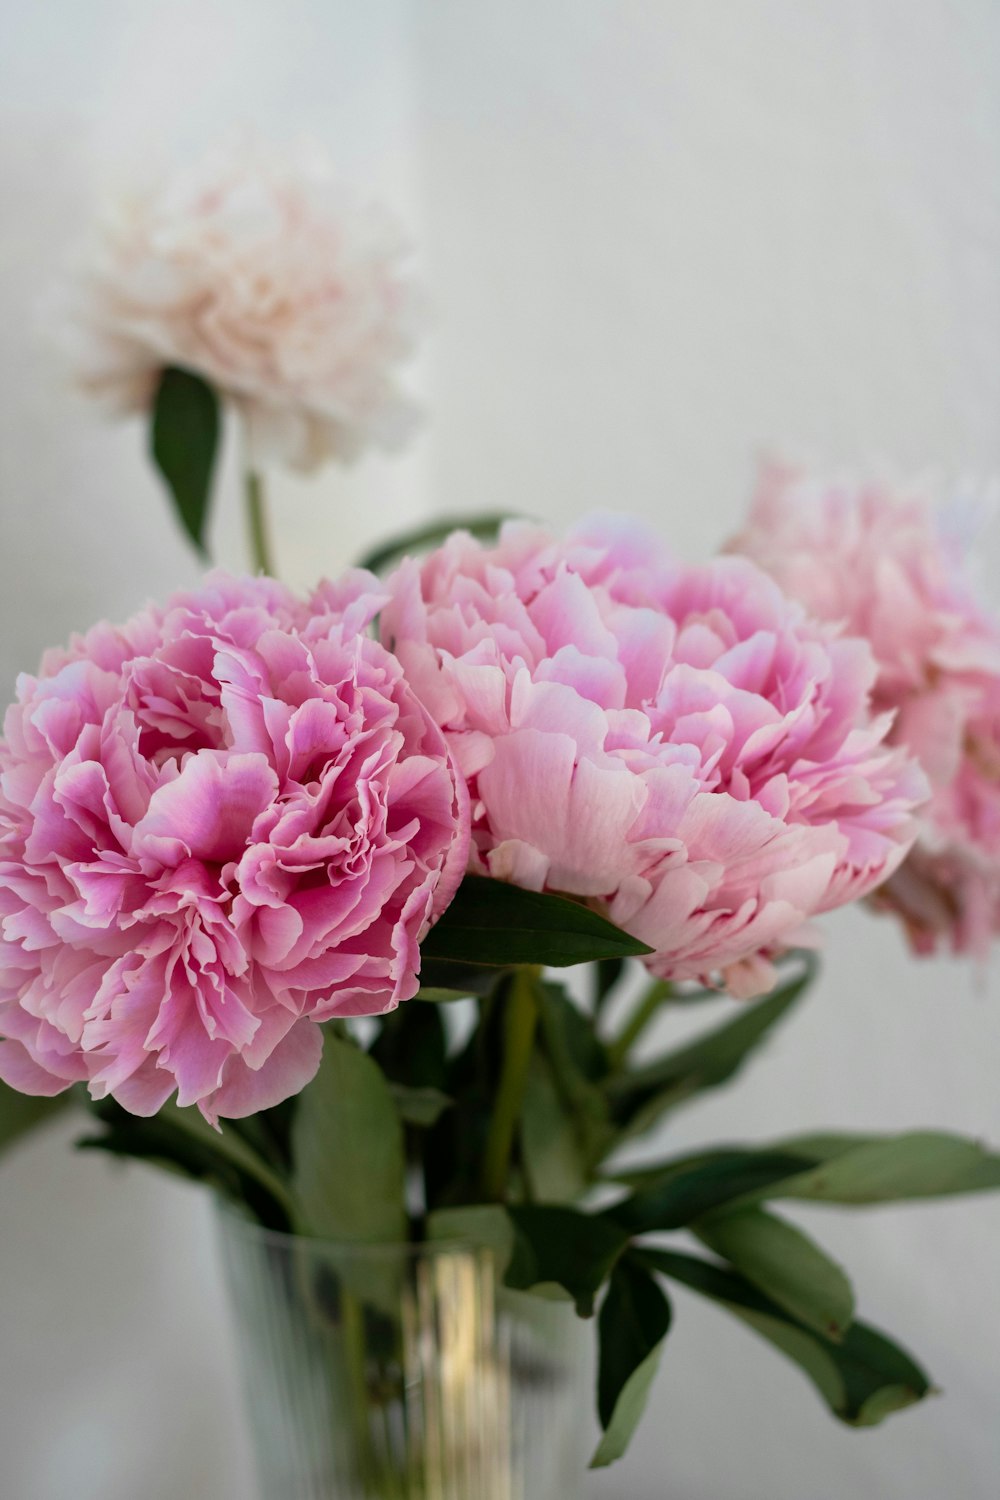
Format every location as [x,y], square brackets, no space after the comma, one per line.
[220,824]
[258,272]
[874,559]
[681,747]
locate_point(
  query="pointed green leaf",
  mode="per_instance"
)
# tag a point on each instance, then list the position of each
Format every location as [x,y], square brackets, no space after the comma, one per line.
[348,1150]
[785,1264]
[491,922]
[420,1107]
[573,1250]
[183,439]
[656,1174]
[550,1143]
[919,1164]
[863,1378]
[422,538]
[681,1195]
[632,1326]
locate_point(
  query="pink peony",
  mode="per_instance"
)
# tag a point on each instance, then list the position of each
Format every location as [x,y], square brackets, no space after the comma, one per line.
[874,560]
[261,275]
[220,824]
[680,746]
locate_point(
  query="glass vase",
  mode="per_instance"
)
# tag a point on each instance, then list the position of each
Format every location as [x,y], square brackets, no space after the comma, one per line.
[403,1372]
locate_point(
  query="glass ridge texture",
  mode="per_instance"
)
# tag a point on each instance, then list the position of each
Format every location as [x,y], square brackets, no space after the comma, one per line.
[402,1372]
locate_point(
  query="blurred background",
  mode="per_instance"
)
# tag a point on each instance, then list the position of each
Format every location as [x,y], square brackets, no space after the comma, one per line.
[656,236]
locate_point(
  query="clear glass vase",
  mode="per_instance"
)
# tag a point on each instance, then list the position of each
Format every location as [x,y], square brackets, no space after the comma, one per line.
[403,1372]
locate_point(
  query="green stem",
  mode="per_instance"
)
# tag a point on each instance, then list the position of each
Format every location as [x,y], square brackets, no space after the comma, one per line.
[519,1022]
[637,1022]
[257,531]
[366,1464]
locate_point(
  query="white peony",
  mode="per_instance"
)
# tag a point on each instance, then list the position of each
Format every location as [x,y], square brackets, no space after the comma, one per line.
[262,275]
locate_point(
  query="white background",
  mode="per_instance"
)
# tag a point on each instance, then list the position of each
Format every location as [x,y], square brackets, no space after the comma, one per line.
[657,235]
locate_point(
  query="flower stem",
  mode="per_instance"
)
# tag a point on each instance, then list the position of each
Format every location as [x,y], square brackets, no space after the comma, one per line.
[519,1022]
[637,1022]
[257,531]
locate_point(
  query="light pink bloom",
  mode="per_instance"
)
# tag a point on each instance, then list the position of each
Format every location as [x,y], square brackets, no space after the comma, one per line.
[680,746]
[873,558]
[259,273]
[220,824]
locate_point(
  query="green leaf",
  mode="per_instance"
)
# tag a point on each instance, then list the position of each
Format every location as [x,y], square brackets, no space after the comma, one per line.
[422,1107]
[632,1326]
[491,922]
[683,1193]
[436,995]
[565,1247]
[550,1144]
[348,1150]
[181,1140]
[922,1164]
[422,538]
[486,1224]
[919,1164]
[184,438]
[863,1378]
[654,1174]
[578,1062]
[639,1096]
[22,1113]
[412,1047]
[785,1264]
[606,974]
[441,979]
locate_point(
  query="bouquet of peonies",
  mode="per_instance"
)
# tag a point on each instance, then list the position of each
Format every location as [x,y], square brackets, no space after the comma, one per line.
[236,823]
[288,885]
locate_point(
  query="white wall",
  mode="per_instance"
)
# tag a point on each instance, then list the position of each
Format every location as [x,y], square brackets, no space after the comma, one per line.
[658,235]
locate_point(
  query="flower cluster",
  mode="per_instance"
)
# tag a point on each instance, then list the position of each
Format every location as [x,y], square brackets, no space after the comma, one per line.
[260,274]
[220,824]
[680,746]
[875,560]
[236,817]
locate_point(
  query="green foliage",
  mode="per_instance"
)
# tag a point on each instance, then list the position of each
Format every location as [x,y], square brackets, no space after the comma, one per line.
[184,437]
[411,1047]
[550,1144]
[484,1224]
[504,1110]
[685,1193]
[491,922]
[565,1248]
[919,1164]
[863,1378]
[785,1264]
[607,972]
[577,1064]
[420,1107]
[632,1327]
[180,1140]
[21,1114]
[423,538]
[640,1096]
[348,1148]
